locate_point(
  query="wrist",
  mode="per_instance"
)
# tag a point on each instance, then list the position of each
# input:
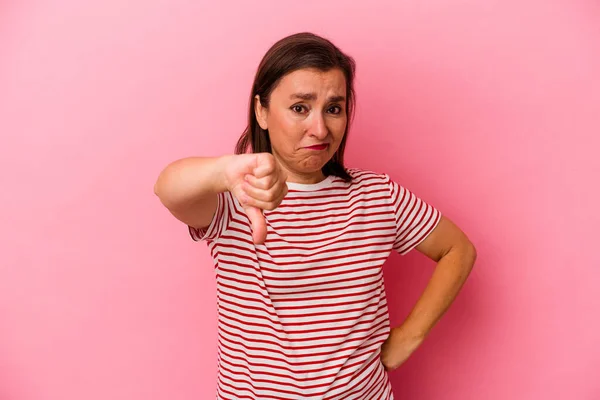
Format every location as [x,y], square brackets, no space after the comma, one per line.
[221,179]
[410,333]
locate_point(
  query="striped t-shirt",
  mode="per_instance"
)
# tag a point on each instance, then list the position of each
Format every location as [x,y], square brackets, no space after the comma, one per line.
[303,316]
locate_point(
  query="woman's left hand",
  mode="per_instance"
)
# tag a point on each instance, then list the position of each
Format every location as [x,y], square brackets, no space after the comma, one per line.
[398,347]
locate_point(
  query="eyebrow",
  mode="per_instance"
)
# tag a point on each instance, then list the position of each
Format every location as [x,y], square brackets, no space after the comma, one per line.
[313,96]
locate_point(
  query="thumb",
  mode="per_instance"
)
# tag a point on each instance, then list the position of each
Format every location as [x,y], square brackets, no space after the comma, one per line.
[259,225]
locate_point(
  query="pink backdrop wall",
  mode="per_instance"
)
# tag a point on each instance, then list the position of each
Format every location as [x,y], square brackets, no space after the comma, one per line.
[488,109]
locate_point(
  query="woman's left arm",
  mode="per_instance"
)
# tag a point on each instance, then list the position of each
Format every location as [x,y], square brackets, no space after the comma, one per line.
[455,256]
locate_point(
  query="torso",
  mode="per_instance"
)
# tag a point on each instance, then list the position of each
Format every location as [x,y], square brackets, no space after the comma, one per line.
[303,316]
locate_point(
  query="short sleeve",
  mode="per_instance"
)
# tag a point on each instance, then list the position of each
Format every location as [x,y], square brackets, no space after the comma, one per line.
[219,223]
[415,218]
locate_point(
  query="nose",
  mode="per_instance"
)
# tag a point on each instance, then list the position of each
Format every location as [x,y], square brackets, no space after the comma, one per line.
[318,128]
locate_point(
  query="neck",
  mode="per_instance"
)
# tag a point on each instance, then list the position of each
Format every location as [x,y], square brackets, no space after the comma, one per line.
[306,179]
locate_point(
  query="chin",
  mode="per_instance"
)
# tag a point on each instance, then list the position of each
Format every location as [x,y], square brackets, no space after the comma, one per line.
[313,164]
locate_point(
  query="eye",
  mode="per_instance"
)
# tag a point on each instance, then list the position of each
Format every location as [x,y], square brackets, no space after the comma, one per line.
[298,108]
[335,110]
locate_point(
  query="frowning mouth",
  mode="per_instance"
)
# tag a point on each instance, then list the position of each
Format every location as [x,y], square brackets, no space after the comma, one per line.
[323,146]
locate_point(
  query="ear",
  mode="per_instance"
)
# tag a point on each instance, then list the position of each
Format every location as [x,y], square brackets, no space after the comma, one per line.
[260,112]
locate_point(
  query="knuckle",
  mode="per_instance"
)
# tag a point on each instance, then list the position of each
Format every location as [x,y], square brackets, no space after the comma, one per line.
[273,193]
[262,184]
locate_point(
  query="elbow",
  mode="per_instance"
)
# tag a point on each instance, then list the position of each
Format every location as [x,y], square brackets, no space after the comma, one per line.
[464,251]
[166,185]
[160,191]
[157,187]
[470,254]
[473,253]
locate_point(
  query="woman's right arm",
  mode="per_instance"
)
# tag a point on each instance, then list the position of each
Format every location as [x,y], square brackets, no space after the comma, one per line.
[188,188]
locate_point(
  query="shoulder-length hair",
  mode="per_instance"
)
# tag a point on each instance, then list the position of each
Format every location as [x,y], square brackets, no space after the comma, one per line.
[294,52]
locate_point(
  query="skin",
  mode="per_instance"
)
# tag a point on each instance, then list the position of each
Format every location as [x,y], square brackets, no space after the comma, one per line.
[188,188]
[318,116]
[306,108]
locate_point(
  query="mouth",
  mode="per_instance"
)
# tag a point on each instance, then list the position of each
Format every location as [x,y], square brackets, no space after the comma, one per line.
[318,147]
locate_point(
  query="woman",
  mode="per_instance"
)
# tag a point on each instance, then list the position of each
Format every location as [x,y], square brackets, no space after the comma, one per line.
[299,240]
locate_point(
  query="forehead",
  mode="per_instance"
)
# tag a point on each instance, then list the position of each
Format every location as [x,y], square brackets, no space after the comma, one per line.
[310,80]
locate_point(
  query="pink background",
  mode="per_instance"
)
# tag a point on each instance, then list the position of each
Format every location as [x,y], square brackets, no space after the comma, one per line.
[490,110]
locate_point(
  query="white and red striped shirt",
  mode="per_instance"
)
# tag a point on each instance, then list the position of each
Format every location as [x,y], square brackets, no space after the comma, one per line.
[303,316]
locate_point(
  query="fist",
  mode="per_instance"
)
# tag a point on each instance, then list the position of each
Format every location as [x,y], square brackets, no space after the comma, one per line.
[258,182]
[398,347]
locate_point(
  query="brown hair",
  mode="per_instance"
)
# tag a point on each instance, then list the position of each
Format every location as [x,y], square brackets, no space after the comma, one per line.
[294,52]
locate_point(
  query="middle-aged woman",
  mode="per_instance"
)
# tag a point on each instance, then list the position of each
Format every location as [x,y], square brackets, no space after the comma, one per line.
[299,240]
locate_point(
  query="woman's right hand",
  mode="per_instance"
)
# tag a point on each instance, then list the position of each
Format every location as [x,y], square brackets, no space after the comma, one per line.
[258,182]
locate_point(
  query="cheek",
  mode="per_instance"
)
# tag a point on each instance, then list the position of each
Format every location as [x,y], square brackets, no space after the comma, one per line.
[285,131]
[337,127]
[280,121]
[290,125]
